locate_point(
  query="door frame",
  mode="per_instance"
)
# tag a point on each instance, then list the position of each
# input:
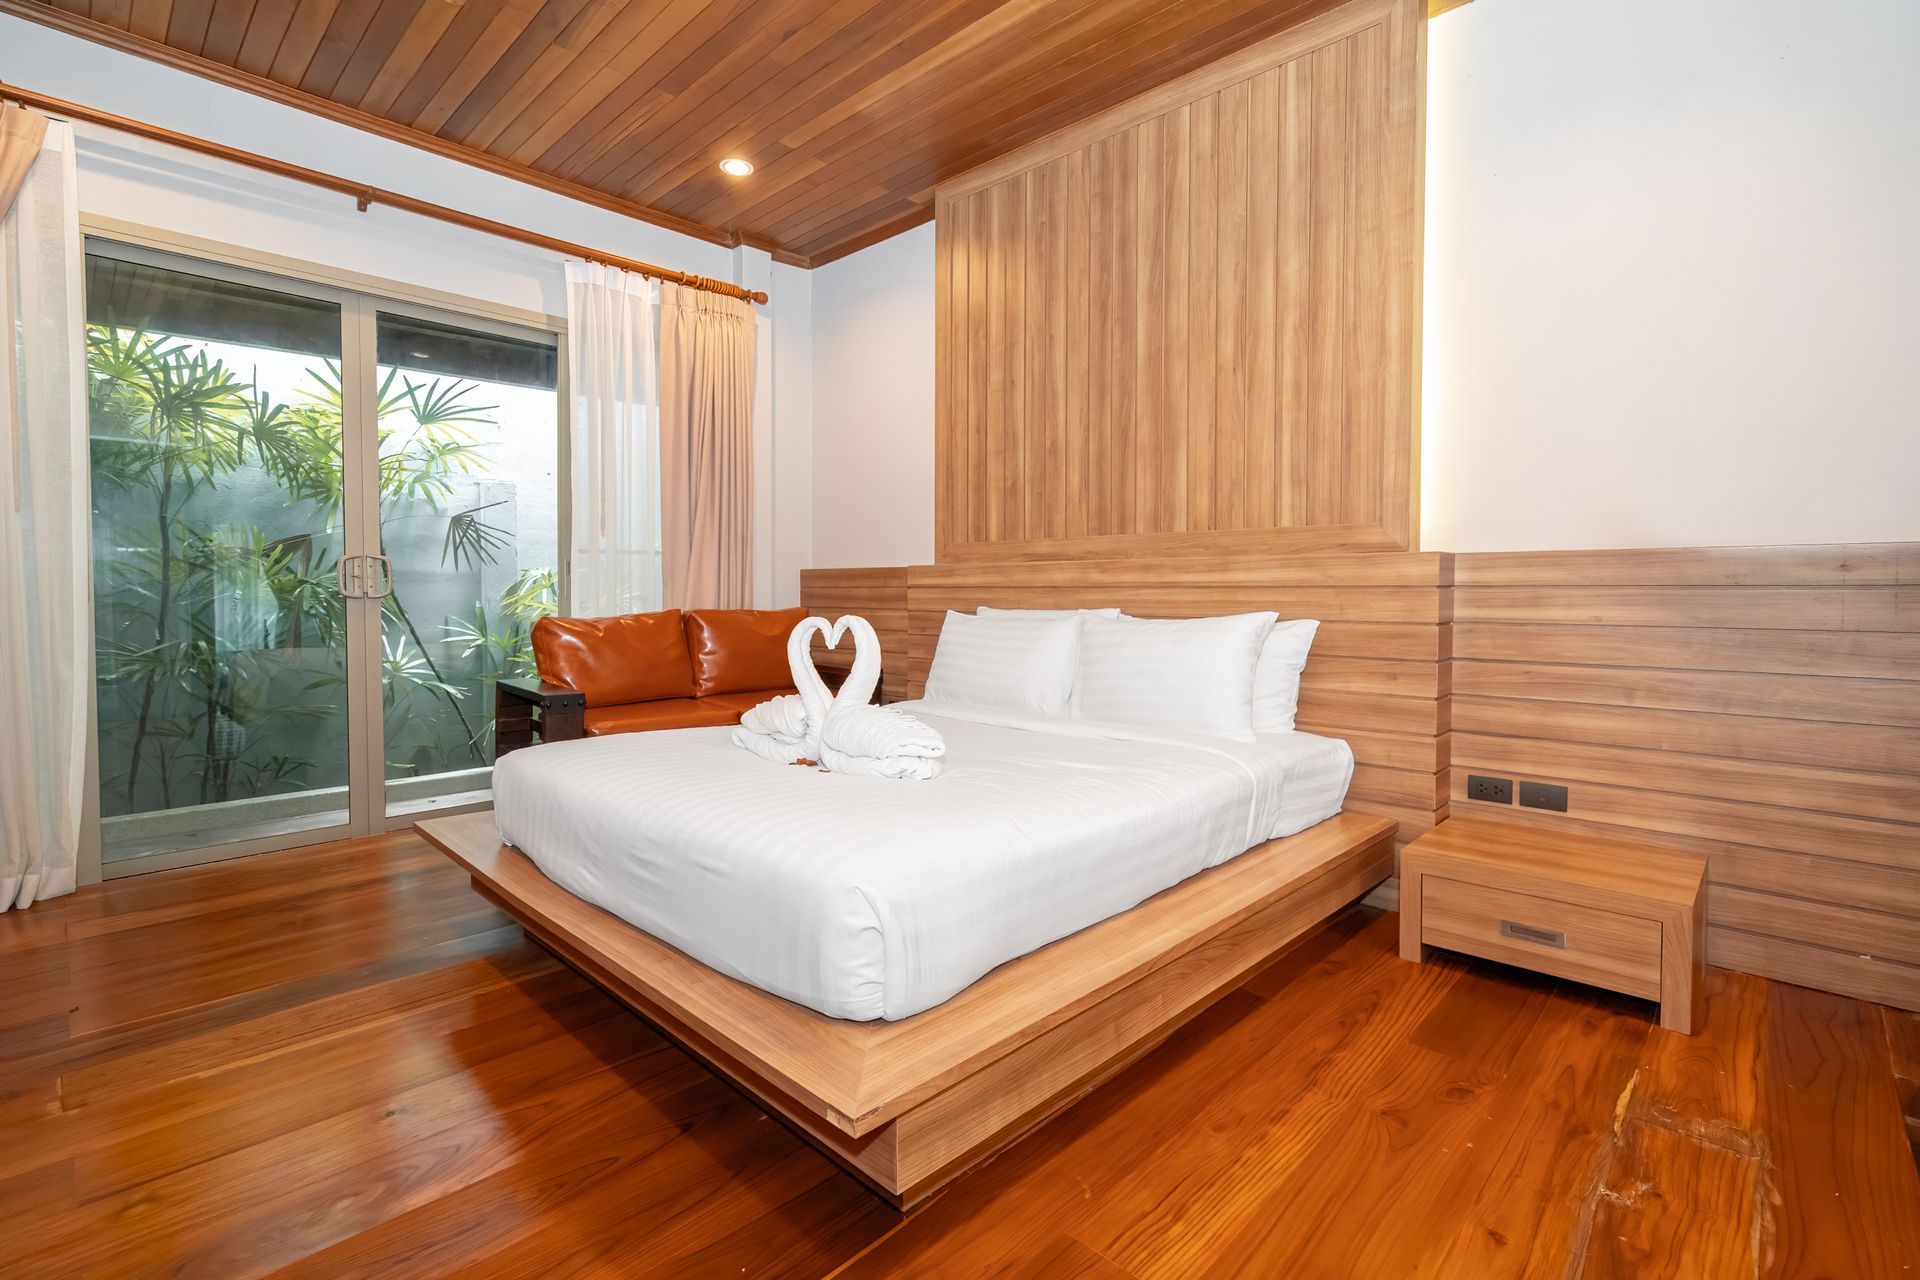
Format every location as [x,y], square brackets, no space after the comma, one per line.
[360,299]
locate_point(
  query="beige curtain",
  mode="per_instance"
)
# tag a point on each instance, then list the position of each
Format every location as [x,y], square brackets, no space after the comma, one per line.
[46,627]
[706,449]
[21,133]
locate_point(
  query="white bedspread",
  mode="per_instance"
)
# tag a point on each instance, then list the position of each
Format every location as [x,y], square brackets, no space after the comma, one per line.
[863,898]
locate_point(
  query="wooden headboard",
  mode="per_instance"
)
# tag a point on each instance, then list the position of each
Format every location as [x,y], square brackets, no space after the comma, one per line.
[1377,677]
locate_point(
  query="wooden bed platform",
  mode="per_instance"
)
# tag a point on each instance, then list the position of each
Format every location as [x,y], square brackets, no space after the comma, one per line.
[910,1105]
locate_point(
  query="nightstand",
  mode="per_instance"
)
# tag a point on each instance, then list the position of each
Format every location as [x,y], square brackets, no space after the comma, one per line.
[1607,912]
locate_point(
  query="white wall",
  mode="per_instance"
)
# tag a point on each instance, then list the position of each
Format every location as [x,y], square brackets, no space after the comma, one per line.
[873,405]
[161,187]
[1672,274]
[1672,293]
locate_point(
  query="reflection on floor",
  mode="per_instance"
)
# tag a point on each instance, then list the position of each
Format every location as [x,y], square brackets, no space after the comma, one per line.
[340,1061]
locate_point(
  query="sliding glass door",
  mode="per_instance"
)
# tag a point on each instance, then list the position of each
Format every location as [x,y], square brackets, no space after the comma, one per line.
[322,526]
[469,525]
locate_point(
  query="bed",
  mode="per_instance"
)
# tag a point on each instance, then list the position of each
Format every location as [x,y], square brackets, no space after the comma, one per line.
[862,898]
[919,1021]
[912,975]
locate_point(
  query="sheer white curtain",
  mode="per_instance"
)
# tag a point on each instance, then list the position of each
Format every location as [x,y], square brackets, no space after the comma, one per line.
[45,609]
[613,380]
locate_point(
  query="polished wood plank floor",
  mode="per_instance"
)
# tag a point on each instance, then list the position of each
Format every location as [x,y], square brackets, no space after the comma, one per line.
[342,1062]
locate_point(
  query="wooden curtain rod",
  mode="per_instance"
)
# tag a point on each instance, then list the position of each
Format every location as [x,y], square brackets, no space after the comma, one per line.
[365,195]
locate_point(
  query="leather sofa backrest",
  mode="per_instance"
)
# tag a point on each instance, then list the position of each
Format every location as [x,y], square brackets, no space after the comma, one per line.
[636,657]
[740,650]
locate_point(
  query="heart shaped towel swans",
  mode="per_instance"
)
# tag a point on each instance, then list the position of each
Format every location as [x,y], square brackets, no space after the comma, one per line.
[844,733]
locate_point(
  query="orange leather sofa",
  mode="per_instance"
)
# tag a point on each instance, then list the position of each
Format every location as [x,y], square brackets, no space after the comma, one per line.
[640,671]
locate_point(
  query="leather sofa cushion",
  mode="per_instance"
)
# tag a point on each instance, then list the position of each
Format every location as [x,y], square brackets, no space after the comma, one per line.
[667,713]
[635,657]
[740,650]
[741,703]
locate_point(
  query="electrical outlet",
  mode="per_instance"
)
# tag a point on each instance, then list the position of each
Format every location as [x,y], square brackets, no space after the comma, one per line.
[1541,795]
[1492,790]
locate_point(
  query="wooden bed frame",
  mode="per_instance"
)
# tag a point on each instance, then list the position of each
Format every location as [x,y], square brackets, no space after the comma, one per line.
[908,1106]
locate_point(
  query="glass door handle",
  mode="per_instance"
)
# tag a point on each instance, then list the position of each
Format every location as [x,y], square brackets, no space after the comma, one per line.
[349,577]
[385,587]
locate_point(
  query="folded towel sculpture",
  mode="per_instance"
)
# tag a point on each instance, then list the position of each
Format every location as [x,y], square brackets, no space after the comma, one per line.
[845,734]
[786,729]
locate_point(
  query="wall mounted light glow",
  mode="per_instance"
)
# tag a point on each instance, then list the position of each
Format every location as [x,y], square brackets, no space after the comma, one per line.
[734,166]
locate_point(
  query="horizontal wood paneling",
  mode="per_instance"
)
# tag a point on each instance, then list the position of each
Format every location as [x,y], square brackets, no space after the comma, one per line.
[879,596]
[1758,705]
[1186,326]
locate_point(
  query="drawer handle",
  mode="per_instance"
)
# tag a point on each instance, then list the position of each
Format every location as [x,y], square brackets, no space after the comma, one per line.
[1532,933]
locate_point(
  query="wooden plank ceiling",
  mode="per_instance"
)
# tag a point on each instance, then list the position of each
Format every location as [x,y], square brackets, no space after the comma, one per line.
[851,110]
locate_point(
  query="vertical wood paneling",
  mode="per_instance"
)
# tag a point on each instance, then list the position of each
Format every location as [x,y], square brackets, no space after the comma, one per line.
[1203,213]
[1149,323]
[1076,429]
[949,273]
[1100,335]
[1293,283]
[973,491]
[998,422]
[1200,318]
[1171,473]
[1364,218]
[1330,286]
[1261,294]
[1233,283]
[1123,261]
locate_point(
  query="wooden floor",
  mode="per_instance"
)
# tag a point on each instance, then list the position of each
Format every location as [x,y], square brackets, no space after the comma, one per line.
[341,1062]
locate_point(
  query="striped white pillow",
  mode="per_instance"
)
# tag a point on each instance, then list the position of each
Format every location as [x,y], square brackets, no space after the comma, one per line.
[1022,664]
[1276,679]
[988,611]
[1171,673]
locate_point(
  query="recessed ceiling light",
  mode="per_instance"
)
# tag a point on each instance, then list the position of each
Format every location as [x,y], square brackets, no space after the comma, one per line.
[735,167]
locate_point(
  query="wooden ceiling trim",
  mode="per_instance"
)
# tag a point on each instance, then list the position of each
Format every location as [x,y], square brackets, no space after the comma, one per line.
[852,111]
[273,91]
[867,239]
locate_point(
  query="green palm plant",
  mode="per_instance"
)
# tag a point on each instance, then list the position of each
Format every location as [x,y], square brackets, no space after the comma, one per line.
[192,618]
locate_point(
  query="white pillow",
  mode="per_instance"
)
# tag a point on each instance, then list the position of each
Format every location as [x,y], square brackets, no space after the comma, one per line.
[988,611]
[1023,664]
[1172,673]
[1276,678]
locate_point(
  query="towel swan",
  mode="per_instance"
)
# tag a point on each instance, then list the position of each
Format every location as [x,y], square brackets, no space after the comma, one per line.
[844,733]
[877,742]
[786,729]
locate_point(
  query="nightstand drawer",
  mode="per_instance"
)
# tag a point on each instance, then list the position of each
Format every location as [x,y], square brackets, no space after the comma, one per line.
[1585,944]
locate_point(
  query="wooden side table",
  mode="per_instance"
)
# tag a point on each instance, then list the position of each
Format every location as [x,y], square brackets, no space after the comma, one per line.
[1607,912]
